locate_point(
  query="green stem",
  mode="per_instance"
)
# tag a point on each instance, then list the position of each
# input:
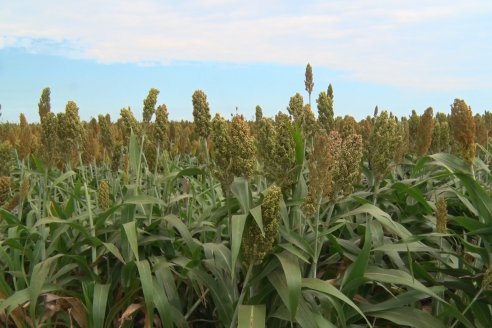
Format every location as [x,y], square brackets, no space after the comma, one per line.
[316,233]
[195,305]
[209,175]
[89,212]
[440,278]
[43,214]
[376,191]
[469,305]
[241,296]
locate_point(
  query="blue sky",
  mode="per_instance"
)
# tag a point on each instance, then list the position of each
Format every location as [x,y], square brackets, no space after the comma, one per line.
[105,55]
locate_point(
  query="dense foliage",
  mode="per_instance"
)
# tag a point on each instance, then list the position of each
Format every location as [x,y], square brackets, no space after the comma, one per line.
[284,222]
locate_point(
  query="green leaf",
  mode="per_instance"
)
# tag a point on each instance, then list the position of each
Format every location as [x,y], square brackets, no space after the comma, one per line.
[328,289]
[240,190]
[405,247]
[299,145]
[115,251]
[99,303]
[64,177]
[134,153]
[38,280]
[190,172]
[256,214]
[179,225]
[383,218]
[480,199]
[252,316]
[147,286]
[143,200]
[402,300]
[292,272]
[22,297]
[397,277]
[237,227]
[355,273]
[9,217]
[415,193]
[408,316]
[296,252]
[131,235]
[451,162]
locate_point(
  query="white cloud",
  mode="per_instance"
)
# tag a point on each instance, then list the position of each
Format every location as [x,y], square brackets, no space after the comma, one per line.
[403,43]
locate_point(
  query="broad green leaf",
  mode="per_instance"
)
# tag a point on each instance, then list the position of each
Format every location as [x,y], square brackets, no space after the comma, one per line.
[131,235]
[398,277]
[164,278]
[23,296]
[39,278]
[256,214]
[405,247]
[115,251]
[179,225]
[99,303]
[480,199]
[147,287]
[383,218]
[190,172]
[64,177]
[404,299]
[251,316]
[237,227]
[450,162]
[294,238]
[134,153]
[162,305]
[353,278]
[328,289]
[9,217]
[296,252]
[143,200]
[413,192]
[292,272]
[240,190]
[407,316]
[299,145]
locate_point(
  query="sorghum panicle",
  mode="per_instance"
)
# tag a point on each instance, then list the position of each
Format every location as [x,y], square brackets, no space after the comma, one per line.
[441,215]
[384,140]
[424,132]
[221,151]
[201,114]
[487,279]
[256,246]
[242,148]
[462,126]
[103,195]
[162,126]
[4,188]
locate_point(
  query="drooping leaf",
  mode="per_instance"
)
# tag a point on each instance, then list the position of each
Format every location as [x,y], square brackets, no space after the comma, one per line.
[131,235]
[327,288]
[292,272]
[407,316]
[100,300]
[397,277]
[147,287]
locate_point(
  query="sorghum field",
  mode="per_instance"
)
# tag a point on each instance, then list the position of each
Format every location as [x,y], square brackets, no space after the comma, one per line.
[298,220]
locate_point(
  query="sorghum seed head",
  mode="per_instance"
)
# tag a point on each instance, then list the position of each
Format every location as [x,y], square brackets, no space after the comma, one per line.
[255,245]
[4,188]
[103,195]
[441,215]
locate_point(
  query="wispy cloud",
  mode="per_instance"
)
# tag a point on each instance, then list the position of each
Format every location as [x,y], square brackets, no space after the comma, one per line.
[438,45]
